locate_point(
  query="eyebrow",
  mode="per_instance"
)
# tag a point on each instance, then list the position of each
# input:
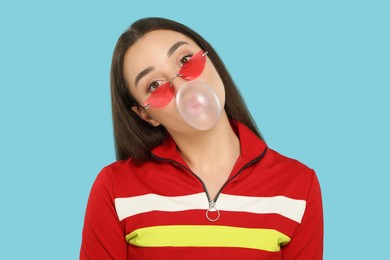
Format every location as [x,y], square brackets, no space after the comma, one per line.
[143,74]
[175,47]
[169,54]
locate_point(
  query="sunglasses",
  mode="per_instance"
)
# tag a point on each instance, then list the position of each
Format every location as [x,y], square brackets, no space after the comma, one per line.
[188,71]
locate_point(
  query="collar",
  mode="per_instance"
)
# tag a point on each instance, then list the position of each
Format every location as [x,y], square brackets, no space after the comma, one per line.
[252,147]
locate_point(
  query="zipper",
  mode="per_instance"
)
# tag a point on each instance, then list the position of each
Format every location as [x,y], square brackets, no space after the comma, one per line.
[212,213]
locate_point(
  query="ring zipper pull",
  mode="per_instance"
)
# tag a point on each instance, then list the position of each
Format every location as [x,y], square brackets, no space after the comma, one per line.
[212,208]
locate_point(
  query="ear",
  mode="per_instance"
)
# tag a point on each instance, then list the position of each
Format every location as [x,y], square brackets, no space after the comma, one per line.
[143,114]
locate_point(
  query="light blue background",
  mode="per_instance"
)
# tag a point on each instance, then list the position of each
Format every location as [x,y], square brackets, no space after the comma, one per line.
[315,76]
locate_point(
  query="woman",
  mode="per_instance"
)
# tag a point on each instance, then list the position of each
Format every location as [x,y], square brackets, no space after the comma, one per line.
[180,192]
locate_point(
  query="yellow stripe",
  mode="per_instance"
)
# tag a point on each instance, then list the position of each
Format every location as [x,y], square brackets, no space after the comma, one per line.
[208,236]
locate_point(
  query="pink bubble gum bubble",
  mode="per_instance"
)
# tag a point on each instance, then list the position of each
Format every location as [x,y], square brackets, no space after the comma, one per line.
[198,104]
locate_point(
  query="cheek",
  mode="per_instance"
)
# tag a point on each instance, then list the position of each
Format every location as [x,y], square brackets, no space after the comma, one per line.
[212,78]
[166,114]
[137,95]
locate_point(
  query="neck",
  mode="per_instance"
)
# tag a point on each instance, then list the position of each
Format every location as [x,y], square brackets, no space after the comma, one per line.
[208,150]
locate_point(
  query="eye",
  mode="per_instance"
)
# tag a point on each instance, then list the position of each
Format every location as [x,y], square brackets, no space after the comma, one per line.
[154,85]
[185,59]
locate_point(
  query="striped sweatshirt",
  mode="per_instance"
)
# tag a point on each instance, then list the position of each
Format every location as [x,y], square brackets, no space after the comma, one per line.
[269,208]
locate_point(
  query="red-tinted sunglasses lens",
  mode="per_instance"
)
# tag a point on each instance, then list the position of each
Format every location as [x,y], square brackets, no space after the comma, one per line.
[160,97]
[194,67]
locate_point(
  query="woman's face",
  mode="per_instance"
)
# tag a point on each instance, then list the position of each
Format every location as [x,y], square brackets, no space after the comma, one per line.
[156,58]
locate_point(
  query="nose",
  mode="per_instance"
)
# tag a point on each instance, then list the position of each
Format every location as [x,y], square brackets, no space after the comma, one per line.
[177,82]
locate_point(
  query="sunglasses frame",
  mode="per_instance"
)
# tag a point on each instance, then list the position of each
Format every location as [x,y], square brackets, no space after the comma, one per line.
[167,86]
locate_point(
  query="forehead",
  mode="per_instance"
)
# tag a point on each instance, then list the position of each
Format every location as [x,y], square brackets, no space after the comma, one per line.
[159,40]
[151,49]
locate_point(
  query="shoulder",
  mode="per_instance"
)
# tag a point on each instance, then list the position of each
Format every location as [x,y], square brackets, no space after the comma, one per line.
[277,159]
[119,170]
[125,178]
[117,167]
[291,175]
[273,158]
[111,174]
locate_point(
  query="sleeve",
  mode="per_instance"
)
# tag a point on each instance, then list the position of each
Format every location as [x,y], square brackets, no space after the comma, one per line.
[307,242]
[103,235]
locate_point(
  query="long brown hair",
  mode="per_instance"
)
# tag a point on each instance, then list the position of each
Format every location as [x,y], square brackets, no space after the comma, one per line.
[133,136]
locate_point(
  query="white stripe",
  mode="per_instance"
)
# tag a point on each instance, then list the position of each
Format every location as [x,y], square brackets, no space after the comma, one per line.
[126,207]
[289,208]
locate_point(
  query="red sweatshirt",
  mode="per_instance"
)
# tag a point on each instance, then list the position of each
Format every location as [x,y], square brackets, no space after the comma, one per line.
[269,208]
